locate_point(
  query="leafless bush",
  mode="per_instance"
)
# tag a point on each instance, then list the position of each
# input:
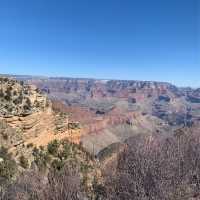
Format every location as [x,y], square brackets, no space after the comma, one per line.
[62,185]
[152,167]
[156,167]
[27,187]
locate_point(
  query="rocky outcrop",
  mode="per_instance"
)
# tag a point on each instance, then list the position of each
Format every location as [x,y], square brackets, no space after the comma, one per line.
[26,117]
[100,104]
[90,88]
[162,100]
[17,99]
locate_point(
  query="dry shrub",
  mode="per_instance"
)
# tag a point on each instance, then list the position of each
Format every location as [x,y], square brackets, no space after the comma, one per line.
[157,167]
[59,185]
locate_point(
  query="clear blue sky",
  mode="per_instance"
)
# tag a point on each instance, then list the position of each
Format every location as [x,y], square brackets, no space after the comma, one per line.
[119,39]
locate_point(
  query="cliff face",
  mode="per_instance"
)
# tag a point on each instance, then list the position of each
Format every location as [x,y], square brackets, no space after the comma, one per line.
[89,88]
[102,105]
[26,117]
[22,110]
[17,99]
[176,106]
[36,138]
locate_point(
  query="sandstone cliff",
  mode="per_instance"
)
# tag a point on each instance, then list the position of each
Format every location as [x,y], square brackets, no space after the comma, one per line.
[18,99]
[26,117]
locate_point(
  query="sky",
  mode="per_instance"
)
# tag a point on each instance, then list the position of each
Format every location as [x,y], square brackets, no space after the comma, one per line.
[106,39]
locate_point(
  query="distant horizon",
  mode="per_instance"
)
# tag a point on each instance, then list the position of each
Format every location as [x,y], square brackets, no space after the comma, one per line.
[93,78]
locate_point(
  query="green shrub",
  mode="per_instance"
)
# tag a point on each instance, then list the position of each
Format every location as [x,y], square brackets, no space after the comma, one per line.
[8,166]
[66,151]
[29,145]
[35,151]
[15,93]
[1,93]
[41,158]
[28,102]
[57,164]
[25,107]
[18,100]
[53,147]
[24,162]
[8,94]
[8,169]
[4,153]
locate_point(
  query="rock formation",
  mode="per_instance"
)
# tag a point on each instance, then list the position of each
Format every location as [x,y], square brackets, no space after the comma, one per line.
[26,117]
[17,99]
[100,105]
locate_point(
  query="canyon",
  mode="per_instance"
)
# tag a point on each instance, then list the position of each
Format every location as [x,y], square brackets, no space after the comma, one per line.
[27,118]
[98,128]
[111,111]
